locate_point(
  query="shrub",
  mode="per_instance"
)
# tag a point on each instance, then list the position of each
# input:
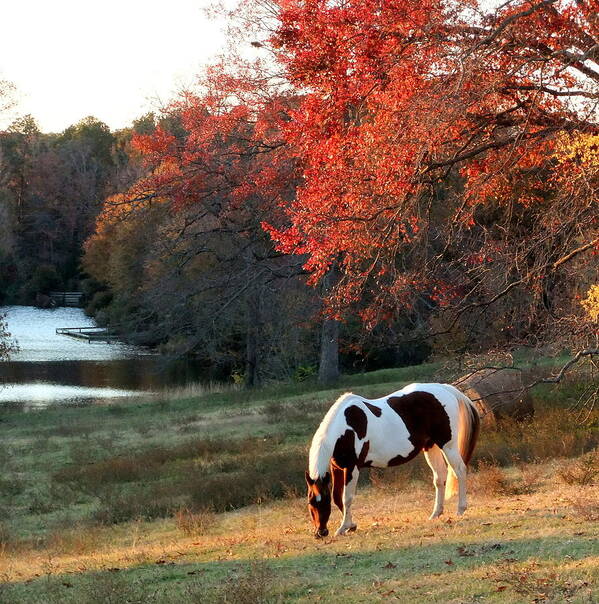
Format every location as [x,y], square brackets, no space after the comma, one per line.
[581,471]
[195,523]
[304,372]
[257,478]
[551,433]
[44,279]
[116,506]
[491,479]
[98,301]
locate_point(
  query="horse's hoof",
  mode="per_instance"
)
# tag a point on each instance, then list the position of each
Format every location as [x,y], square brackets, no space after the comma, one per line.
[461,511]
[434,515]
[343,530]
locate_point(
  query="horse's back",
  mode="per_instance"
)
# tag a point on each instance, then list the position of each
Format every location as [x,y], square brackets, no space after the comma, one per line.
[449,396]
[395,427]
[406,421]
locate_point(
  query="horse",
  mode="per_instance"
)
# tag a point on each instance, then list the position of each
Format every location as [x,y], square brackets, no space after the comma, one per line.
[357,433]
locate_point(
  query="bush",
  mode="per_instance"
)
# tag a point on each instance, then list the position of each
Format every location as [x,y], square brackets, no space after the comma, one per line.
[45,278]
[490,479]
[256,478]
[195,523]
[551,433]
[99,300]
[581,471]
[122,506]
[304,372]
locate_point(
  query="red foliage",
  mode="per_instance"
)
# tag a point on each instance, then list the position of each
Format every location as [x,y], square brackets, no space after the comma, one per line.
[381,101]
[397,93]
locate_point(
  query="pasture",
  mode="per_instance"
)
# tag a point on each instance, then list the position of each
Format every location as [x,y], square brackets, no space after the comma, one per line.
[200,498]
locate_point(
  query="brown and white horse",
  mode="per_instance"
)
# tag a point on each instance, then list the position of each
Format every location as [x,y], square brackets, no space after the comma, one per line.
[356,433]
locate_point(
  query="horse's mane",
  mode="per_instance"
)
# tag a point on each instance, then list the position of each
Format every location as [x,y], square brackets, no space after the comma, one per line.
[321,449]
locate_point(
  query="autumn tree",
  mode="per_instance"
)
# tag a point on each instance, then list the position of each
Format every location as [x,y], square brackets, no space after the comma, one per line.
[6,91]
[441,157]
[217,168]
[435,143]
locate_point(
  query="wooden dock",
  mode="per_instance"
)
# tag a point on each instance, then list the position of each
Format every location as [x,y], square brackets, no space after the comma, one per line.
[89,334]
[67,298]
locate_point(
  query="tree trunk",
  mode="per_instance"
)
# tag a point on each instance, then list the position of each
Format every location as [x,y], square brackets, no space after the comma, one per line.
[252,377]
[328,368]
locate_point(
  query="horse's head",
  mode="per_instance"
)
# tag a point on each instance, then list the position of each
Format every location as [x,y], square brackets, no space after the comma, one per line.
[319,502]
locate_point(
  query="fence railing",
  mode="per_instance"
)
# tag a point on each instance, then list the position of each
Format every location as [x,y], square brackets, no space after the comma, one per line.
[66,298]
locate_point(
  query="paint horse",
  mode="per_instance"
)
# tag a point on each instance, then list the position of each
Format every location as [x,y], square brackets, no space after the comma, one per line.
[357,433]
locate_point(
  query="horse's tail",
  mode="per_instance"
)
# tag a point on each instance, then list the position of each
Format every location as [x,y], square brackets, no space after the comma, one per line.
[468,429]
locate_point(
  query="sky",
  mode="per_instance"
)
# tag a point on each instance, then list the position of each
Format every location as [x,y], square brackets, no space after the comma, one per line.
[113,59]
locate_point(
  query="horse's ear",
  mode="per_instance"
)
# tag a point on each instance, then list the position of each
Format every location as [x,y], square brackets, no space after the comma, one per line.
[309,481]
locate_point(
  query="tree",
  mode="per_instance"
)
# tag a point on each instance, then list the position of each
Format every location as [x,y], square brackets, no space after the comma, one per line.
[7,101]
[212,277]
[432,141]
[6,89]
[51,192]
[5,343]
[440,156]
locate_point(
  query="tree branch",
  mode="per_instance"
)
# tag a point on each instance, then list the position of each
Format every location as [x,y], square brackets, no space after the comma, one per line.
[575,252]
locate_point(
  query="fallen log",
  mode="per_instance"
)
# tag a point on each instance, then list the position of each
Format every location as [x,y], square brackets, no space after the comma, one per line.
[497,394]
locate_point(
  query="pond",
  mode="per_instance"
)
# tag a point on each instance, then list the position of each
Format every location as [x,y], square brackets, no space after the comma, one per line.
[49,369]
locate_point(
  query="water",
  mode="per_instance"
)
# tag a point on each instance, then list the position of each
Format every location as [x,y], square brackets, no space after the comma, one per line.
[34,329]
[52,369]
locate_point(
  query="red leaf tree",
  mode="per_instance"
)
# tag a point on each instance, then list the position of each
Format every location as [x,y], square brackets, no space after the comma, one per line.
[428,134]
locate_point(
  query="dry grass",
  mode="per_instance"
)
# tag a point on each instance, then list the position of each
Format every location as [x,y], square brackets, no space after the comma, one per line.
[492,479]
[585,505]
[535,585]
[201,473]
[196,390]
[6,539]
[396,554]
[552,433]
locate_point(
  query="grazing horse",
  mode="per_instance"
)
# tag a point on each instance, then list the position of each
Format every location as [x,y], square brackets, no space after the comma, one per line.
[357,433]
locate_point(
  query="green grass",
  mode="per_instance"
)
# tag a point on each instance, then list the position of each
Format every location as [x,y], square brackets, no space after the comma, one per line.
[157,489]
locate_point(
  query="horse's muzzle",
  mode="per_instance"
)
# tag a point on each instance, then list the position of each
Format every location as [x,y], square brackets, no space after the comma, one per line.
[321,533]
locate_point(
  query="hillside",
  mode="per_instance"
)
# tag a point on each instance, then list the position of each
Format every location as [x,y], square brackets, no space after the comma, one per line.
[199,498]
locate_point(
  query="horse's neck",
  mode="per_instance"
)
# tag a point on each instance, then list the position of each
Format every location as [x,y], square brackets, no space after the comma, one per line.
[325,438]
[321,452]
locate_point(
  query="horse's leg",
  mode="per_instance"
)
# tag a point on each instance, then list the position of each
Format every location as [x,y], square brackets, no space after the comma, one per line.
[436,461]
[338,486]
[348,495]
[454,459]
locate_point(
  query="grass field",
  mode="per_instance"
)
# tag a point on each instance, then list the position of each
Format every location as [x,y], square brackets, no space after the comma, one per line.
[200,499]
